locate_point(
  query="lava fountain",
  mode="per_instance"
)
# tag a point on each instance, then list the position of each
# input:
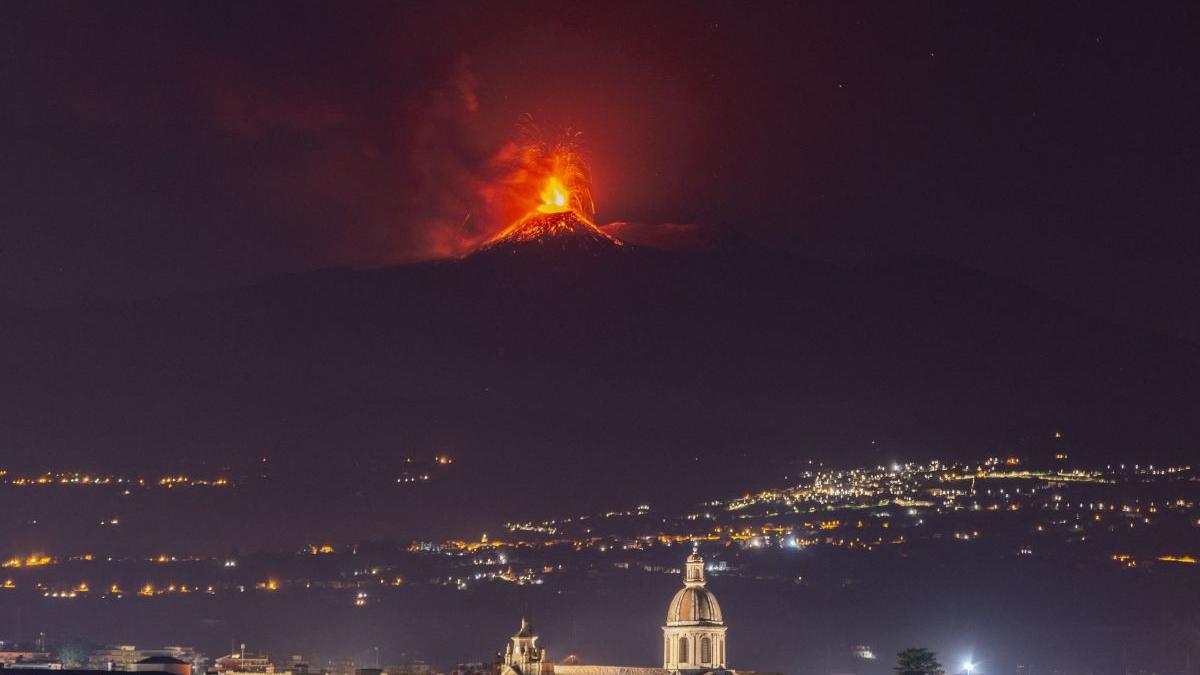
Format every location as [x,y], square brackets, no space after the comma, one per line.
[555,176]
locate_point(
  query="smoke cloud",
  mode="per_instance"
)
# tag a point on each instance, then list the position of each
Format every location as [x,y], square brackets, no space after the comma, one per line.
[225,145]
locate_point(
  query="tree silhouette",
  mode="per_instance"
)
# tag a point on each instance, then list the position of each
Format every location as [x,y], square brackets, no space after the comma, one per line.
[918,661]
[74,653]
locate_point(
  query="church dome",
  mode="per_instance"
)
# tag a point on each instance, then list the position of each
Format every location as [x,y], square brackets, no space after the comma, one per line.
[694,634]
[694,604]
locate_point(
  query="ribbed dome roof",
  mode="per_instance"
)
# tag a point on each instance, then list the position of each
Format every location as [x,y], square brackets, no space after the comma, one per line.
[694,604]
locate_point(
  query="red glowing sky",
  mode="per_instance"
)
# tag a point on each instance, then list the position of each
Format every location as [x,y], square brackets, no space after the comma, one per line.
[157,148]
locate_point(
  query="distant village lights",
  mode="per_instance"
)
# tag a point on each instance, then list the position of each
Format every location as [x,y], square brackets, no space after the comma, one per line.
[851,508]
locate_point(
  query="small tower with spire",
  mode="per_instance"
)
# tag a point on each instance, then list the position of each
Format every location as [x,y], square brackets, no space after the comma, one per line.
[694,568]
[522,654]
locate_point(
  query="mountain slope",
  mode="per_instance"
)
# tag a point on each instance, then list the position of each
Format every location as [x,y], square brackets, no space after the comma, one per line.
[651,374]
[561,231]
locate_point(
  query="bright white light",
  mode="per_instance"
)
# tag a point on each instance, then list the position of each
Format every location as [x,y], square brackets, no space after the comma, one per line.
[968,667]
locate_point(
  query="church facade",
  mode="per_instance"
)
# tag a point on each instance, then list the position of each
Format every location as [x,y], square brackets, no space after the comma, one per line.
[693,639]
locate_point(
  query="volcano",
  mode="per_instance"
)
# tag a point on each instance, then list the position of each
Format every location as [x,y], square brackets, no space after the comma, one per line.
[562,230]
[577,370]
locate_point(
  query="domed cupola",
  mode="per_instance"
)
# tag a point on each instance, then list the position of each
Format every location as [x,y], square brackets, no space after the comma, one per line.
[694,634]
[694,604]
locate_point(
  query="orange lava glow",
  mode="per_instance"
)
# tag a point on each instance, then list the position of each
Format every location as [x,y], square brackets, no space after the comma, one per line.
[555,197]
[544,171]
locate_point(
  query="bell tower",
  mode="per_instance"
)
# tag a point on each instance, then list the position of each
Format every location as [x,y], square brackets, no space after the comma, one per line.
[522,654]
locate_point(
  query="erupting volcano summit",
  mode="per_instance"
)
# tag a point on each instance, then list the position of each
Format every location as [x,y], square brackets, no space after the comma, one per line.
[555,223]
[552,182]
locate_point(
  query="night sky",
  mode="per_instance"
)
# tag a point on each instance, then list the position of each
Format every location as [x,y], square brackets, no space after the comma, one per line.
[155,148]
